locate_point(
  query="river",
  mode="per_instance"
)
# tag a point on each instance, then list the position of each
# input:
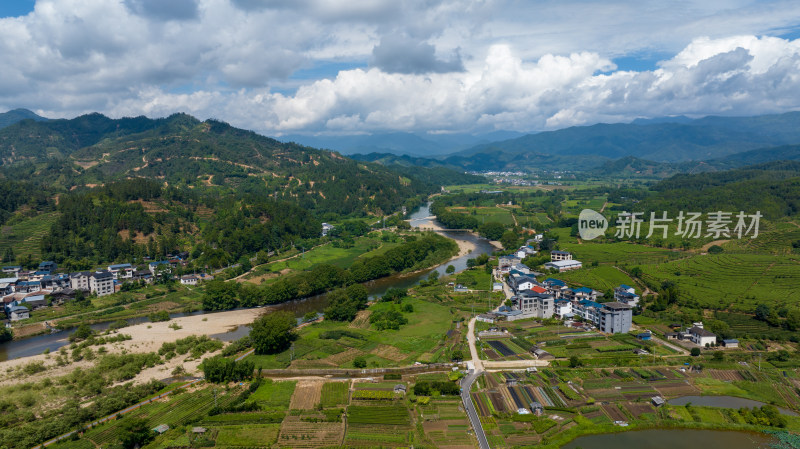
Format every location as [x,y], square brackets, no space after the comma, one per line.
[673,438]
[377,288]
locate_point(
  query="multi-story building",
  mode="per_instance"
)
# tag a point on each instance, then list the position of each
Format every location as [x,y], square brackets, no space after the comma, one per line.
[615,318]
[101,283]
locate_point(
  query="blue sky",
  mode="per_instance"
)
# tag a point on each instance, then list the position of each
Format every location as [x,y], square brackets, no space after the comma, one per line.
[437,66]
[14,8]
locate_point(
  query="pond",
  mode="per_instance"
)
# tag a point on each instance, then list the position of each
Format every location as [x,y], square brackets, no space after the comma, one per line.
[723,402]
[672,438]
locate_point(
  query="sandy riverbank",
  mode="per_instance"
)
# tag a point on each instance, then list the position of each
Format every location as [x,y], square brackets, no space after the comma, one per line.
[464,247]
[145,337]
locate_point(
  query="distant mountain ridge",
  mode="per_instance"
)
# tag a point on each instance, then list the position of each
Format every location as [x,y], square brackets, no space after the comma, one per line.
[17,115]
[400,143]
[661,140]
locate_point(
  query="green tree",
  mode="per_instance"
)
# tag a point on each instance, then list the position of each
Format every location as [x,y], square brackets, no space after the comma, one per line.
[574,361]
[273,332]
[718,356]
[220,295]
[492,230]
[360,362]
[8,255]
[134,432]
[450,269]
[6,334]
[695,352]
[509,239]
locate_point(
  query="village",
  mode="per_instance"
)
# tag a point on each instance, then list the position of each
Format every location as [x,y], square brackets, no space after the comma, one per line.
[579,307]
[25,291]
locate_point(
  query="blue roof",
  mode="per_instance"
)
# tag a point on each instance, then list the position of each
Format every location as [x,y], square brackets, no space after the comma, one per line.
[588,303]
[160,262]
[119,265]
[11,266]
[41,273]
[624,286]
[582,290]
[555,281]
[18,308]
[626,294]
[562,300]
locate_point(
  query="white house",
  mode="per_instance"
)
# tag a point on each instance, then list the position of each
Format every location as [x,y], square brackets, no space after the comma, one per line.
[627,294]
[701,336]
[121,271]
[556,255]
[564,265]
[326,228]
[80,280]
[189,279]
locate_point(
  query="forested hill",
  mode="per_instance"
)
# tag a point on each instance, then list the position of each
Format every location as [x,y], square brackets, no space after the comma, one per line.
[18,115]
[185,152]
[772,188]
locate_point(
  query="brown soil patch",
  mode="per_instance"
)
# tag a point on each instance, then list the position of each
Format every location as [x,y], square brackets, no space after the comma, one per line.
[331,361]
[86,164]
[139,237]
[674,389]
[497,401]
[639,409]
[306,395]
[389,352]
[614,412]
[361,321]
[28,330]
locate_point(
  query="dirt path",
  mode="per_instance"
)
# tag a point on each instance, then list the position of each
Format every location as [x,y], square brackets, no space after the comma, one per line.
[708,245]
[604,207]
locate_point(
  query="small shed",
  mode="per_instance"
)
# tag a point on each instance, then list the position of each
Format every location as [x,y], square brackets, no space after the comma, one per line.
[731,343]
[161,428]
[537,408]
[644,336]
[658,401]
[400,388]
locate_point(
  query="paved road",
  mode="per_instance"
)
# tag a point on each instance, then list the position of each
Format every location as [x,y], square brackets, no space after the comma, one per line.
[466,385]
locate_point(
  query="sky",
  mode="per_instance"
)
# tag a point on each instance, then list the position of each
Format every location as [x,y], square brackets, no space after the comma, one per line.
[339,67]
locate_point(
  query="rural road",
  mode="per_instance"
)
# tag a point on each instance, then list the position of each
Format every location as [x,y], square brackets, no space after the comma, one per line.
[469,407]
[466,386]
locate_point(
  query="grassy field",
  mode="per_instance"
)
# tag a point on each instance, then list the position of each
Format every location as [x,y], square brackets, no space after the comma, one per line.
[421,339]
[487,214]
[326,254]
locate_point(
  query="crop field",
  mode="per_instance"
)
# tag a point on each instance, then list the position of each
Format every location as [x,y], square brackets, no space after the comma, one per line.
[296,433]
[602,278]
[378,426]
[449,433]
[732,281]
[743,325]
[263,435]
[620,252]
[273,395]
[175,410]
[24,235]
[335,393]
